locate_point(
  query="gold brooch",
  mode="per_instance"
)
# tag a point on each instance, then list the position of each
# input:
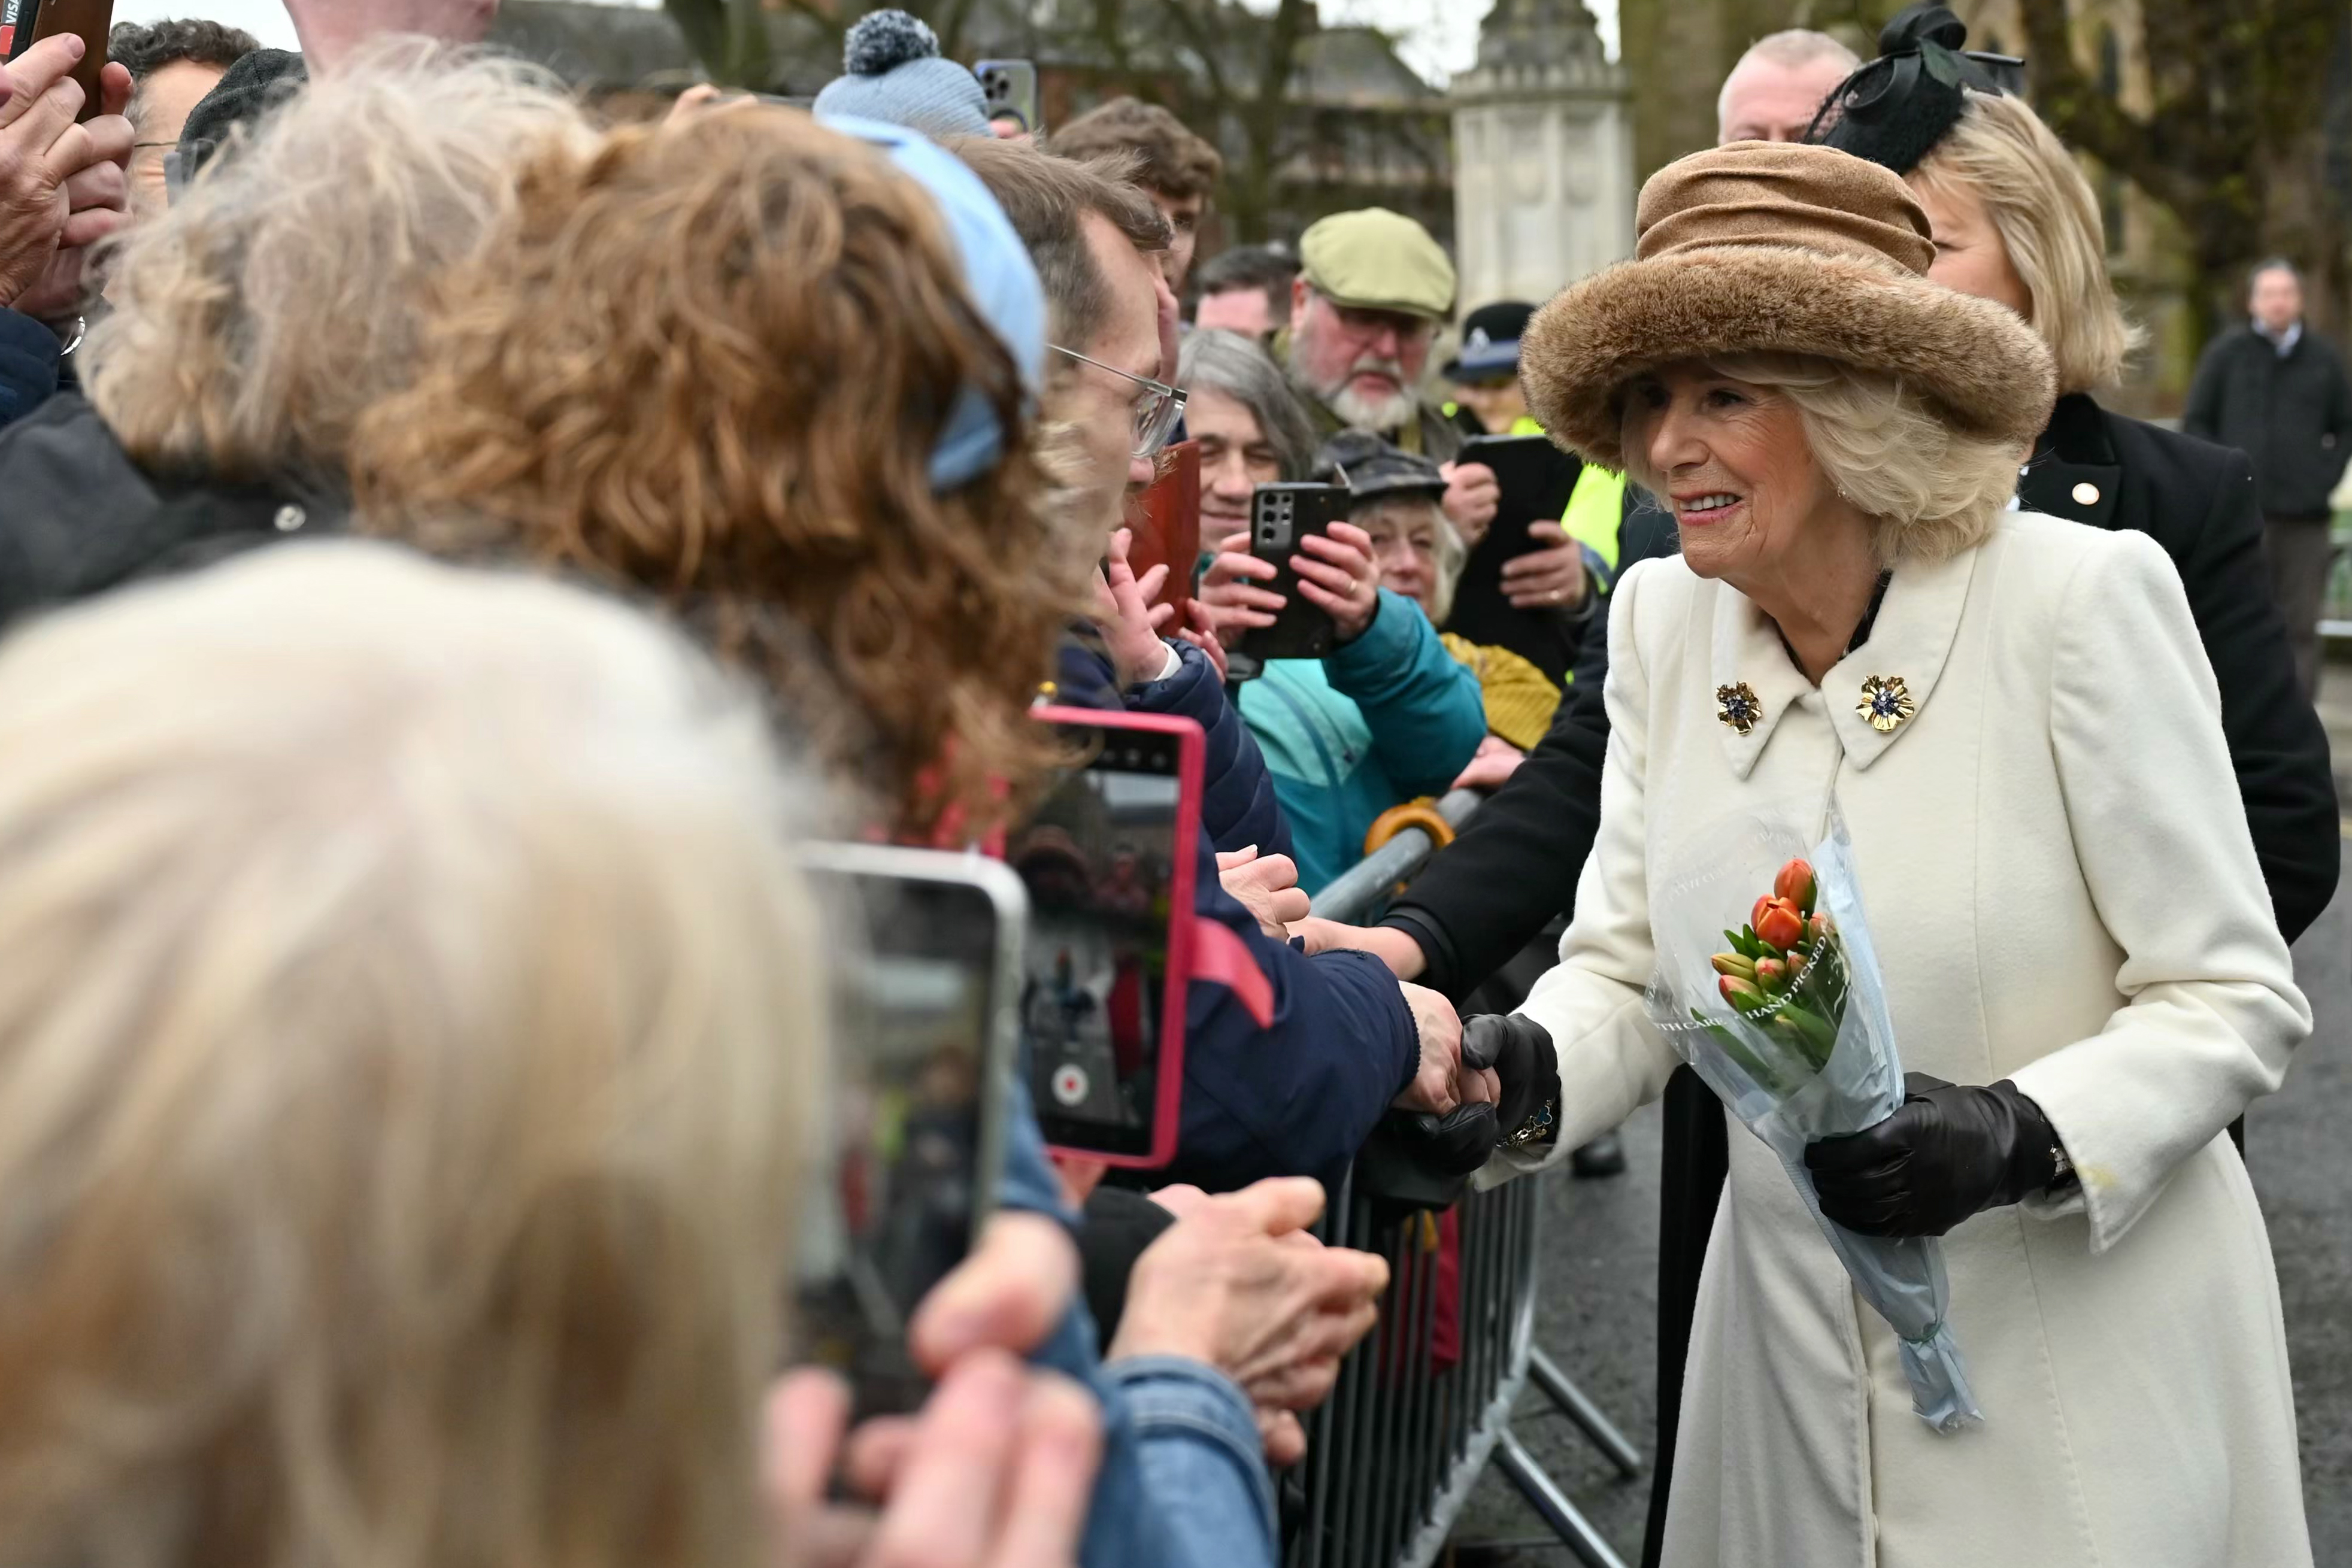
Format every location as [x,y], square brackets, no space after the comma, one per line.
[1885,703]
[1736,706]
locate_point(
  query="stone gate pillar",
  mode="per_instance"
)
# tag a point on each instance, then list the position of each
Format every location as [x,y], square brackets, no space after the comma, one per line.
[1543,149]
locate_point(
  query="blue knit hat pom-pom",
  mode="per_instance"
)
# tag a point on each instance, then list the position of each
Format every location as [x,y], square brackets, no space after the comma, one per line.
[884,40]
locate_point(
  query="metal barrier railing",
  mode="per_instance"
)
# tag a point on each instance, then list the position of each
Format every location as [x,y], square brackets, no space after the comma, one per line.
[1363,887]
[1393,1453]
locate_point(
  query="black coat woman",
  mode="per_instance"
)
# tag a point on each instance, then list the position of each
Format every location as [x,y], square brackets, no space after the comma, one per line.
[2014,221]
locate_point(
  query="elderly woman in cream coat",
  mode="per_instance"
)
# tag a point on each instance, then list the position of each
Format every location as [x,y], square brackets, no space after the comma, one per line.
[2014,719]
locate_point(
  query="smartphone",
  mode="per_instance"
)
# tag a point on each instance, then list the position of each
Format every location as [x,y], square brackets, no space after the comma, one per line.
[1011,85]
[927,988]
[1536,479]
[1166,520]
[1281,515]
[24,23]
[1109,862]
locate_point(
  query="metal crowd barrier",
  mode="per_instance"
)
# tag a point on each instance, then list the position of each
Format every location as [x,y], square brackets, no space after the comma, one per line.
[1392,1455]
[1357,892]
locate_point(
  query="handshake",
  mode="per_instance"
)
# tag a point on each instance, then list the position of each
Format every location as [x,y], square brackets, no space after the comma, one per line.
[1489,1083]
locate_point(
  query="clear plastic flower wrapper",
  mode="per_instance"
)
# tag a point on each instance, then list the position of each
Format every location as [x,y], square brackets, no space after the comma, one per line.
[1785,1017]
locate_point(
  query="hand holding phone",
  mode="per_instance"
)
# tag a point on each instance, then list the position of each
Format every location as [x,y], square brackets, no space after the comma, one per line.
[928,987]
[24,23]
[1282,516]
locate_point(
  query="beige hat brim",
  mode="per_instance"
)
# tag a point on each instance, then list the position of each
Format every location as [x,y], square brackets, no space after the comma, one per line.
[1982,365]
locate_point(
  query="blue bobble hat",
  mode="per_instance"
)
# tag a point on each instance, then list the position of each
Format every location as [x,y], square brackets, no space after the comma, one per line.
[997,275]
[895,75]
[1490,342]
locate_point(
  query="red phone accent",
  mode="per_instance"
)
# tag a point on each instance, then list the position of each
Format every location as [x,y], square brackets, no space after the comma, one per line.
[1166,520]
[1223,959]
[1182,925]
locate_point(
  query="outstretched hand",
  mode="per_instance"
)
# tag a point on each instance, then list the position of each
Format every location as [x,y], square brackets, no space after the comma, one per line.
[1265,885]
[1129,620]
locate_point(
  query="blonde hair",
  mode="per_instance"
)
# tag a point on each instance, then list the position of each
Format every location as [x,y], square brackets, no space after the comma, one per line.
[1932,491]
[407,1046]
[2003,154]
[283,291]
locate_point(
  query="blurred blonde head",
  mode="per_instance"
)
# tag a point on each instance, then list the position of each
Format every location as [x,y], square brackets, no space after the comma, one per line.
[281,294]
[403,1072]
[2003,154]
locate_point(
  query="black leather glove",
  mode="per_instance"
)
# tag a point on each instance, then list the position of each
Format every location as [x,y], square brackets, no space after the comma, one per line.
[1520,1052]
[1454,1145]
[1949,1152]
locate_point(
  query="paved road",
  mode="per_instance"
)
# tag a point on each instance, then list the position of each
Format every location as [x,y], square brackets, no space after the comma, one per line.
[1599,1300]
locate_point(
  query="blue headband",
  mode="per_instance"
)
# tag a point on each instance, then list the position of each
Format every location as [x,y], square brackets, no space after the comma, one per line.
[998,276]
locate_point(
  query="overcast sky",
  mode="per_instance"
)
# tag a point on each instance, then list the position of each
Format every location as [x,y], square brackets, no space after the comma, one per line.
[1440,37]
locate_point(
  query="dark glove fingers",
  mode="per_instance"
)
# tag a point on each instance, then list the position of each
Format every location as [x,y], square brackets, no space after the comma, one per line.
[1864,1150]
[1483,1037]
[1918,1084]
[1459,1142]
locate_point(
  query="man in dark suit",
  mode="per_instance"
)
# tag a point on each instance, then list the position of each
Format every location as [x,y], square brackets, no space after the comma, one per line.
[2276,391]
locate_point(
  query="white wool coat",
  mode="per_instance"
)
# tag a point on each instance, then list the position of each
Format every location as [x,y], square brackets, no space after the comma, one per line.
[2060,884]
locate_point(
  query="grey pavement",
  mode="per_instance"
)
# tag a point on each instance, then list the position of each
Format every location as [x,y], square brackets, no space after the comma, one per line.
[1597,1315]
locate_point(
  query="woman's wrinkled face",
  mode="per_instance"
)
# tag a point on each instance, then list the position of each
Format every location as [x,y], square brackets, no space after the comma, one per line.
[1732,461]
[1971,255]
[1235,458]
[1405,547]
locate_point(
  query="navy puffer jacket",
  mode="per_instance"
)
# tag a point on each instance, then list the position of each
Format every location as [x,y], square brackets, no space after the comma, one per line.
[1297,1095]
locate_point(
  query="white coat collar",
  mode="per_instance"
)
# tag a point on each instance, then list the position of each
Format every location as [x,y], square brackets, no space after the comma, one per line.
[1909,642]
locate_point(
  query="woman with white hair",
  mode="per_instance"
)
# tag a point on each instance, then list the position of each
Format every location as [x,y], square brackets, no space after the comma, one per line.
[282,294]
[404,1108]
[2011,717]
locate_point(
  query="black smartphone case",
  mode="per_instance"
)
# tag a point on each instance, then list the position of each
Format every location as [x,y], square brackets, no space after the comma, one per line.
[1280,515]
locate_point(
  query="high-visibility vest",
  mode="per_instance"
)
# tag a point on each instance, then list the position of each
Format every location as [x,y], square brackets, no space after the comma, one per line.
[1595,509]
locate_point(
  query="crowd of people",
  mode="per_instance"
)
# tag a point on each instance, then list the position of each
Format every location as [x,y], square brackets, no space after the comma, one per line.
[454,548]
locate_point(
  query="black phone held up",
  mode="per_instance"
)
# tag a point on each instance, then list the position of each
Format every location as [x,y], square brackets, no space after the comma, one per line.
[1280,516]
[24,23]
[1536,479]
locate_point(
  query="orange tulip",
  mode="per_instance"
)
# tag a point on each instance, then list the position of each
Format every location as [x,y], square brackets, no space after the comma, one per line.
[1780,925]
[1795,883]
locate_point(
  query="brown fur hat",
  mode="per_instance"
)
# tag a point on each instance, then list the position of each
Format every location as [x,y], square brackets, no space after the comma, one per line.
[1778,247]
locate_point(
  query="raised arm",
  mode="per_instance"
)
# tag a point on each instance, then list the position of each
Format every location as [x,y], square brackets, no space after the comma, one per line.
[1610,1056]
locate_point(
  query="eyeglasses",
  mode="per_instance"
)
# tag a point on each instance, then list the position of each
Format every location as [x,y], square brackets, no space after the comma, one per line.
[1158,406]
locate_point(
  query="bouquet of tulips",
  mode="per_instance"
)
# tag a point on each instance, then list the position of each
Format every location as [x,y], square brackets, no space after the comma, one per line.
[1790,1027]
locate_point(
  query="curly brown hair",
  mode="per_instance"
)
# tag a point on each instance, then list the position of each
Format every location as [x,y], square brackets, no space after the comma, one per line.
[709,360]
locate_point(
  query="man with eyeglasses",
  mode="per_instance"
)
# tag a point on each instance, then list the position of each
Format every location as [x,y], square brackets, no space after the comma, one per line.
[1294,1090]
[173,66]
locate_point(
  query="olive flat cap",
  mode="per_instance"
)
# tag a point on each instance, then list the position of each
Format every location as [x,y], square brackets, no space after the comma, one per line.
[1378,260]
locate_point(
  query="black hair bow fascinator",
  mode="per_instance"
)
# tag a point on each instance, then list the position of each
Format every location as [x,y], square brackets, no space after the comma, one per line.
[1898,107]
